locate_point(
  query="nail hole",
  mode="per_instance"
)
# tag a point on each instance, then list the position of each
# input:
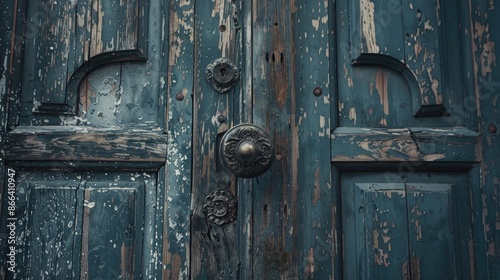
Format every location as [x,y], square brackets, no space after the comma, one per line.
[267,56]
[275,24]
[222,28]
[274,58]
[282,58]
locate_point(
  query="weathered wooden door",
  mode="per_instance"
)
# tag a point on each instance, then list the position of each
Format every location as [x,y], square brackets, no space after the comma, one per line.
[84,141]
[123,151]
[380,140]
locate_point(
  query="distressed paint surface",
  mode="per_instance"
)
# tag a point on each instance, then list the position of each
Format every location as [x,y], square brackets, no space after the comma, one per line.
[485,78]
[178,17]
[393,62]
[66,40]
[289,222]
[412,227]
[216,34]
[118,126]
[84,224]
[294,228]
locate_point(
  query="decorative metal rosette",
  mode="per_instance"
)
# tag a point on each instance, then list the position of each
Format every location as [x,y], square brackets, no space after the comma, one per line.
[220,207]
[247,151]
[223,74]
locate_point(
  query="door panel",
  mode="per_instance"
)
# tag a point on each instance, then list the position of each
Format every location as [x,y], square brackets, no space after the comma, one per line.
[374,230]
[293,214]
[411,227]
[83,225]
[394,67]
[86,137]
[66,40]
[430,216]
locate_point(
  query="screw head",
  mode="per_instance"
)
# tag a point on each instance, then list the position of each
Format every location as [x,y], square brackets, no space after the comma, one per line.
[492,128]
[221,119]
[317,91]
[179,97]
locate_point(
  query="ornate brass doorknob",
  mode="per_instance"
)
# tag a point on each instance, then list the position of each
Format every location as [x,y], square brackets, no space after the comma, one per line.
[247,151]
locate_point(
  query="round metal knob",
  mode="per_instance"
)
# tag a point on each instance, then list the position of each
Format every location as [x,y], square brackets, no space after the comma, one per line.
[247,151]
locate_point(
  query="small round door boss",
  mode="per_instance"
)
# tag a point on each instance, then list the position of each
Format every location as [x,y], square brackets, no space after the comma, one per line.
[220,207]
[247,151]
[222,74]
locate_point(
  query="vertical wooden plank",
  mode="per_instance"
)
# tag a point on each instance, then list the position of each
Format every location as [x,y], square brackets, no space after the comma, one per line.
[242,113]
[275,193]
[421,27]
[311,67]
[177,81]
[123,15]
[51,223]
[47,233]
[486,81]
[376,28]
[216,35]
[430,231]
[375,231]
[7,31]
[114,251]
[386,231]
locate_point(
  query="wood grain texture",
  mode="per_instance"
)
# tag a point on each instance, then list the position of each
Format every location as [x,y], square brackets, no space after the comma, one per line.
[65,40]
[409,144]
[7,43]
[417,225]
[485,80]
[54,143]
[295,235]
[85,225]
[414,34]
[178,18]
[216,34]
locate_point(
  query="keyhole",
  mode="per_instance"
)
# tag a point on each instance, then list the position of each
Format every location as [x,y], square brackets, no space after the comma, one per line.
[223,72]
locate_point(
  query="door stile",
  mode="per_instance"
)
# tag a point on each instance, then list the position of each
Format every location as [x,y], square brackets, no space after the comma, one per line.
[178,75]
[244,103]
[213,244]
[293,200]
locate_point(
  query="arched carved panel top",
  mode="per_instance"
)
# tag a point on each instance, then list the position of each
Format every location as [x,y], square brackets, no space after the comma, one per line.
[412,38]
[67,39]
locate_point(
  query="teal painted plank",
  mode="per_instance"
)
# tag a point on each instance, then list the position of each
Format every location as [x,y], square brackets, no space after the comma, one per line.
[276,202]
[178,79]
[6,31]
[376,27]
[430,230]
[485,78]
[215,35]
[375,228]
[114,251]
[421,20]
[408,144]
[310,113]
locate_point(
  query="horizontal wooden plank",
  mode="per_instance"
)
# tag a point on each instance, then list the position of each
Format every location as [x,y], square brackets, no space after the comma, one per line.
[406,144]
[85,144]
